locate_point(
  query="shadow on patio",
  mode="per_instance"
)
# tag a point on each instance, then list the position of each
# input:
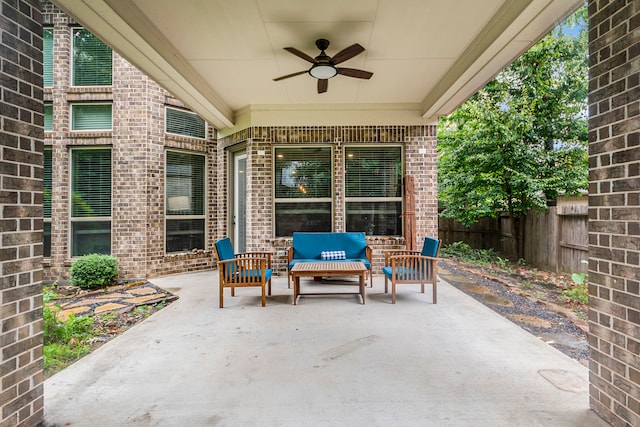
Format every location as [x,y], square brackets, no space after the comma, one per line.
[327,361]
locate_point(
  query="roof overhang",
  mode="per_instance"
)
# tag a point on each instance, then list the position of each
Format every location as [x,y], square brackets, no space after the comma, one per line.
[220,57]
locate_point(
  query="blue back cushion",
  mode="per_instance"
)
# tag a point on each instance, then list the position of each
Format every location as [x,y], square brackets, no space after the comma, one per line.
[430,247]
[310,245]
[224,248]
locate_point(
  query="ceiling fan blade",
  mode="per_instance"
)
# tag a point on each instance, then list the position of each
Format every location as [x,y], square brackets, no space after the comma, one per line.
[300,54]
[347,53]
[352,72]
[323,84]
[277,79]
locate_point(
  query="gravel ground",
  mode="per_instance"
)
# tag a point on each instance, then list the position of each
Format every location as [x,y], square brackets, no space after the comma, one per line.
[550,326]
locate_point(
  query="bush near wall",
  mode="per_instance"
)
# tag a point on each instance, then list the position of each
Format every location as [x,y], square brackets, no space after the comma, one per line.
[94,271]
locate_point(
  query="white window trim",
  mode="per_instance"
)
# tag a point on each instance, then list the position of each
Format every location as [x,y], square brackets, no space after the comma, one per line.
[73,104]
[206,124]
[71,62]
[369,199]
[73,219]
[331,199]
[181,217]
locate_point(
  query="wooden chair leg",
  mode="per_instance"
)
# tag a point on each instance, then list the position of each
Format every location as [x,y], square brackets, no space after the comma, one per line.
[435,297]
[386,284]
[393,292]
[269,287]
[264,296]
[422,287]
[221,295]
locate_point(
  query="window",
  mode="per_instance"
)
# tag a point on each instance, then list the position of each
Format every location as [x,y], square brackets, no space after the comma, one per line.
[92,60]
[185,123]
[91,117]
[48,116]
[185,201]
[47,57]
[90,201]
[373,190]
[303,189]
[46,203]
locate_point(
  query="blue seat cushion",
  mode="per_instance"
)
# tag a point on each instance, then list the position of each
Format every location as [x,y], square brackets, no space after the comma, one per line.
[257,274]
[404,272]
[224,249]
[430,247]
[311,245]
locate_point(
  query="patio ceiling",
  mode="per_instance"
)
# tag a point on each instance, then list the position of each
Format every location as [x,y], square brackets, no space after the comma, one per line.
[220,56]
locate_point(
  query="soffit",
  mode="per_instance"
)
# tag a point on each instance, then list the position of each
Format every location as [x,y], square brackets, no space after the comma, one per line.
[220,56]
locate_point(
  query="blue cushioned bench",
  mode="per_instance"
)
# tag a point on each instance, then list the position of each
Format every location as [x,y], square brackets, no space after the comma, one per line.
[330,247]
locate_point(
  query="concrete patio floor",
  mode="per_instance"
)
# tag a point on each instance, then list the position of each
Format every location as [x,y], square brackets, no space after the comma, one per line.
[329,361]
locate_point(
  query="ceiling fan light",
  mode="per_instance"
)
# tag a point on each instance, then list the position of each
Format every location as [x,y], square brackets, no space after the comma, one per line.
[323,71]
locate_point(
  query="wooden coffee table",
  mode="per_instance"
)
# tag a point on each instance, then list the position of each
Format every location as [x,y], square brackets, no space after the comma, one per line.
[331,269]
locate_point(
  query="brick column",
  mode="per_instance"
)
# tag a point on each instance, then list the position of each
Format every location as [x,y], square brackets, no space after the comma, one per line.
[614,210]
[21,224]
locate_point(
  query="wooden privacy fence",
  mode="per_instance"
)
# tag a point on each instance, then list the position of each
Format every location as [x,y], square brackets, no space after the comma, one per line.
[555,240]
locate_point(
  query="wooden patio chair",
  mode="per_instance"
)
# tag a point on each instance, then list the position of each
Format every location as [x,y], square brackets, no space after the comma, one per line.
[403,266]
[242,269]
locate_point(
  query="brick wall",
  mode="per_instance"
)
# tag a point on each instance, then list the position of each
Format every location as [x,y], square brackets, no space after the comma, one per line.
[614,210]
[420,162]
[138,143]
[21,224]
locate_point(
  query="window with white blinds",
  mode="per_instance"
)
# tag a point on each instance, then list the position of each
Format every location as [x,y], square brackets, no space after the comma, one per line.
[373,189]
[48,116]
[47,57]
[303,189]
[92,63]
[90,201]
[46,202]
[185,123]
[185,179]
[91,116]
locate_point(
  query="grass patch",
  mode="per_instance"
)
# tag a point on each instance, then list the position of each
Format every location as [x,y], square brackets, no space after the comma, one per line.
[65,341]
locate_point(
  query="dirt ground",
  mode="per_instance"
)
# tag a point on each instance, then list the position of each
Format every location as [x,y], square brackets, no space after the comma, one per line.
[529,297]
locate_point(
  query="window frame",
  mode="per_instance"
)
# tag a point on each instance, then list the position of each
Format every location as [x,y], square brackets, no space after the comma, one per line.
[86,219]
[330,199]
[72,74]
[47,105]
[372,199]
[188,112]
[47,57]
[47,152]
[174,217]
[76,104]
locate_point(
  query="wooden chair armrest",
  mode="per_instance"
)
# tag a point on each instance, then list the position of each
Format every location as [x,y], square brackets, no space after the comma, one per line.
[396,252]
[289,254]
[369,253]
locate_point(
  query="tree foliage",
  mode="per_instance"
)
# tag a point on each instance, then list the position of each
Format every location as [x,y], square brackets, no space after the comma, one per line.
[521,140]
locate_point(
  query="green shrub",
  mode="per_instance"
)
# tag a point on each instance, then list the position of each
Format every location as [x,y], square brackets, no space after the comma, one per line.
[94,271]
[466,253]
[577,293]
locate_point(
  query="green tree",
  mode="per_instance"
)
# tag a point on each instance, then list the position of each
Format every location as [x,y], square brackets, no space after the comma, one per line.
[522,139]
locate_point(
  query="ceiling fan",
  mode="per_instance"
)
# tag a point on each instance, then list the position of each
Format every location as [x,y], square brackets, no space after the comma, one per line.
[324,66]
